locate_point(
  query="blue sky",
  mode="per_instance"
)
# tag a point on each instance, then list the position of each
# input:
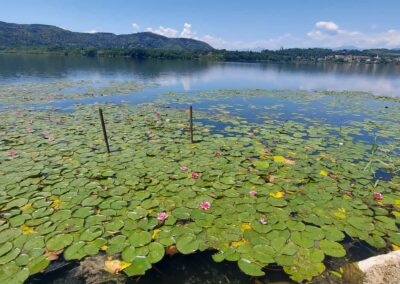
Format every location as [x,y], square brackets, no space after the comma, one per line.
[230,24]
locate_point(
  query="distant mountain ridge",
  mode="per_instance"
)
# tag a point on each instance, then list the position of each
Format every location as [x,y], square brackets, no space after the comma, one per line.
[37,35]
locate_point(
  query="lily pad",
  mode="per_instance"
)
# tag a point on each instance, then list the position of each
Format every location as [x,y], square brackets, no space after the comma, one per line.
[250,267]
[187,243]
[332,248]
[59,242]
[139,239]
[139,266]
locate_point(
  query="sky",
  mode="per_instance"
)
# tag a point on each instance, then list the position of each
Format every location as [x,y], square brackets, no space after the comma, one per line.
[233,25]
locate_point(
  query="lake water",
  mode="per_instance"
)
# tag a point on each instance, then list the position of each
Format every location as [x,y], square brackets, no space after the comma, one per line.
[195,77]
[199,76]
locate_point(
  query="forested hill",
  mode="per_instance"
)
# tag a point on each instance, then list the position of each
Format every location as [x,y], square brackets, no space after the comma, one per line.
[26,36]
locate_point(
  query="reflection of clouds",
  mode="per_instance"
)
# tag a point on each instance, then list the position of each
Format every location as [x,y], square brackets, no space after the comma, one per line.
[337,78]
[175,79]
[378,86]
[185,83]
[166,80]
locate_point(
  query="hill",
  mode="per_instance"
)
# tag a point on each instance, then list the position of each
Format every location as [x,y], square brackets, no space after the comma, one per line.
[46,36]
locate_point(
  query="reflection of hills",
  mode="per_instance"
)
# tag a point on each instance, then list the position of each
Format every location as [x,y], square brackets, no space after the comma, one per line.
[178,75]
[60,66]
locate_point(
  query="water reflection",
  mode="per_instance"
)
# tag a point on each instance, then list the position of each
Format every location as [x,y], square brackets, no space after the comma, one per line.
[187,76]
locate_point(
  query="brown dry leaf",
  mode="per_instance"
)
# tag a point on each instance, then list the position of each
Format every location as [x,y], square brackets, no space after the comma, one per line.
[272,178]
[325,156]
[115,266]
[290,162]
[53,255]
[171,250]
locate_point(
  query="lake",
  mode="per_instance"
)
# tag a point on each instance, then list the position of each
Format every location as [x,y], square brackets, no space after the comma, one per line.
[199,76]
[293,173]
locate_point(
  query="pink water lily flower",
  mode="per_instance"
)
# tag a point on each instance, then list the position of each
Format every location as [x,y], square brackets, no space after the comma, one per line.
[51,138]
[378,196]
[45,133]
[158,122]
[184,169]
[12,153]
[266,150]
[262,221]
[162,216]
[205,205]
[252,192]
[195,175]
[28,130]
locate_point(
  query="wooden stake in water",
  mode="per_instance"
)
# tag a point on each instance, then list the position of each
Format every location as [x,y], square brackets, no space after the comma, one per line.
[191,123]
[103,126]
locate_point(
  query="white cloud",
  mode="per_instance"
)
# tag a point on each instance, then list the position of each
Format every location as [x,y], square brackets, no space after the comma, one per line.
[169,32]
[187,31]
[92,31]
[136,28]
[328,34]
[285,40]
[325,34]
[327,26]
[220,43]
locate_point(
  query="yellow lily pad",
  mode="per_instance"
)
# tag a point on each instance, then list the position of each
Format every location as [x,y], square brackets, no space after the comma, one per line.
[323,173]
[115,266]
[26,229]
[278,194]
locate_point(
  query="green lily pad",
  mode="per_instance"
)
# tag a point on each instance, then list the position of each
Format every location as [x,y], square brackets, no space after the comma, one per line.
[332,248]
[22,260]
[156,252]
[38,264]
[139,266]
[187,243]
[10,256]
[9,234]
[139,239]
[263,253]
[75,251]
[250,267]
[5,248]
[91,233]
[59,242]
[261,164]
[129,254]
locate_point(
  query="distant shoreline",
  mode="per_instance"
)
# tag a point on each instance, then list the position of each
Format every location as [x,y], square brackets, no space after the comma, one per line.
[315,55]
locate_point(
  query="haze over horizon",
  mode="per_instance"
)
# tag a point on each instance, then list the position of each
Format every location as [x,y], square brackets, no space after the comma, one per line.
[253,25]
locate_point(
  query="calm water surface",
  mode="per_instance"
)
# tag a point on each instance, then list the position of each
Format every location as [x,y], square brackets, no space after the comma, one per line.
[199,76]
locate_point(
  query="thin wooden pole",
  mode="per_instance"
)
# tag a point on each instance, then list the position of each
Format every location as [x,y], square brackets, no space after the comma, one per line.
[103,126]
[191,123]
